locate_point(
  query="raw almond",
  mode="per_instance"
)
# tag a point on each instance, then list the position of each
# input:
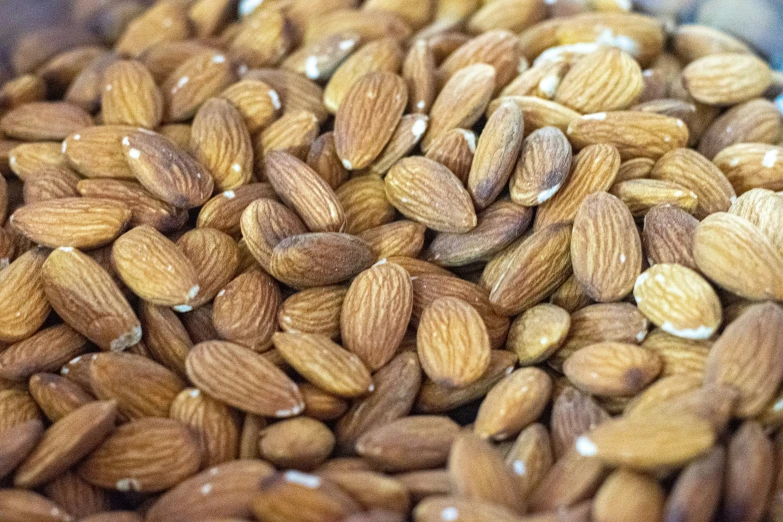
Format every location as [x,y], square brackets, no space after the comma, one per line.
[365,203]
[23,304]
[726,78]
[315,310]
[130,96]
[42,121]
[215,258]
[542,168]
[612,369]
[194,81]
[244,311]
[46,350]
[668,236]
[96,152]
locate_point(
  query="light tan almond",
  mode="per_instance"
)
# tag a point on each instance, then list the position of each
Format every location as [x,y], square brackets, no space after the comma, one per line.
[405,138]
[642,496]
[194,81]
[542,168]
[130,96]
[538,332]
[418,69]
[294,132]
[42,121]
[256,101]
[262,39]
[319,60]
[640,195]
[755,121]
[300,443]
[294,90]
[23,304]
[96,152]
[375,313]
[365,203]
[315,310]
[752,165]
[606,251]
[726,78]
[164,23]
[612,369]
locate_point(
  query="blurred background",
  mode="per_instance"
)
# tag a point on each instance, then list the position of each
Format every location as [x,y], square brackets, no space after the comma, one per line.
[48,26]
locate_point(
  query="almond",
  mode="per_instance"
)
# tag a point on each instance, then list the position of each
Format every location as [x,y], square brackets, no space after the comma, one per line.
[726,78]
[749,473]
[498,48]
[166,339]
[542,168]
[606,250]
[293,495]
[406,136]
[432,509]
[96,152]
[20,504]
[647,504]
[256,101]
[454,149]
[319,60]
[668,236]
[215,258]
[571,479]
[538,332]
[224,211]
[18,441]
[130,96]
[429,193]
[300,443]
[41,121]
[323,159]
[23,304]
[325,364]
[315,310]
[612,369]
[244,310]
[88,299]
[375,314]
[755,121]
[365,203]
[264,224]
[262,39]
[194,81]
[418,69]
[697,490]
[164,23]
[751,165]
[57,396]
[143,455]
[294,90]
[46,350]
[574,413]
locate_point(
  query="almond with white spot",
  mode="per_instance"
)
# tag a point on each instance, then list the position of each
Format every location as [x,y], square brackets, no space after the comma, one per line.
[542,168]
[130,96]
[752,165]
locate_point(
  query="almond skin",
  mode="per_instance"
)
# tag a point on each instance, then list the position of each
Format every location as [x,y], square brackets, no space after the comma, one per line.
[218,367]
[72,222]
[376,312]
[96,152]
[215,258]
[23,304]
[612,369]
[264,224]
[155,269]
[143,455]
[194,81]
[130,96]
[41,121]
[726,78]
[659,294]
[427,192]
[452,342]
[542,168]
[244,311]
[325,364]
[166,171]
[46,350]
[367,118]
[606,250]
[315,310]
[88,299]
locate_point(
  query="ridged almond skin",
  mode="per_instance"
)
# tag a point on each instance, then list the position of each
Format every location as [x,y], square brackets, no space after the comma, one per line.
[220,141]
[155,268]
[680,356]
[606,251]
[50,183]
[300,443]
[594,170]
[72,222]
[726,78]
[512,404]
[215,258]
[375,313]
[496,154]
[23,304]
[418,69]
[755,121]
[696,173]
[26,159]
[751,165]
[431,509]
[294,132]
[607,79]
[477,471]
[256,101]
[498,48]
[380,56]
[143,455]
[265,223]
[427,192]
[164,23]
[323,159]
[406,136]
[743,341]
[244,311]
[679,301]
[750,473]
[762,207]
[498,226]
[150,389]
[168,172]
[88,299]
[530,457]
[319,259]
[418,442]
[667,236]
[233,485]
[17,442]
[319,60]
[194,81]
[315,310]
[574,413]
[538,332]
[364,201]
[165,337]
[17,407]
[263,39]
[130,96]
[145,208]
[96,152]
[214,423]
[612,369]
[454,149]
[635,134]
[645,494]
[21,504]
[57,396]
[534,268]
[648,443]
[640,195]
[42,121]
[66,442]
[224,211]
[325,364]
[543,167]
[46,350]
[452,342]
[302,188]
[722,242]
[243,379]
[461,101]
[367,118]
[295,91]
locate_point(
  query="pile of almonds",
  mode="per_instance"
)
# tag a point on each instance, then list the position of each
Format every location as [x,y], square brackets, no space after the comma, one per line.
[426,260]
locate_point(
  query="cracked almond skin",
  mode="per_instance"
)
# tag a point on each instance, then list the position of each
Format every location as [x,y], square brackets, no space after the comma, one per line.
[88,299]
[301,188]
[168,172]
[452,342]
[66,442]
[679,301]
[375,313]
[243,379]
[426,191]
[155,268]
[750,339]
[325,364]
[84,223]
[23,304]
[319,259]
[144,455]
[606,251]
[367,118]
[612,369]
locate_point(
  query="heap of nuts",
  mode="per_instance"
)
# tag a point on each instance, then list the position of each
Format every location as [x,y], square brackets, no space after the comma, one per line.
[428,260]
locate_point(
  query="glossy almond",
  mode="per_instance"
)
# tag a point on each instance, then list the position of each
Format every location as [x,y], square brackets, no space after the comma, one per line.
[243,379]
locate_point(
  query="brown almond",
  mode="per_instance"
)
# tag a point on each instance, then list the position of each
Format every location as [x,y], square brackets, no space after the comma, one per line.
[643,496]
[42,121]
[542,168]
[454,149]
[612,369]
[256,101]
[640,195]
[300,443]
[57,396]
[418,69]
[23,304]
[223,211]
[244,310]
[96,152]
[264,224]
[262,39]
[365,204]
[726,78]
[696,492]
[538,332]
[46,350]
[215,258]
[315,310]
[130,96]
[193,82]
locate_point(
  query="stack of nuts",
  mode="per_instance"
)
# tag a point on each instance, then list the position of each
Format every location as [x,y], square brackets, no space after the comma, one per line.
[391,260]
